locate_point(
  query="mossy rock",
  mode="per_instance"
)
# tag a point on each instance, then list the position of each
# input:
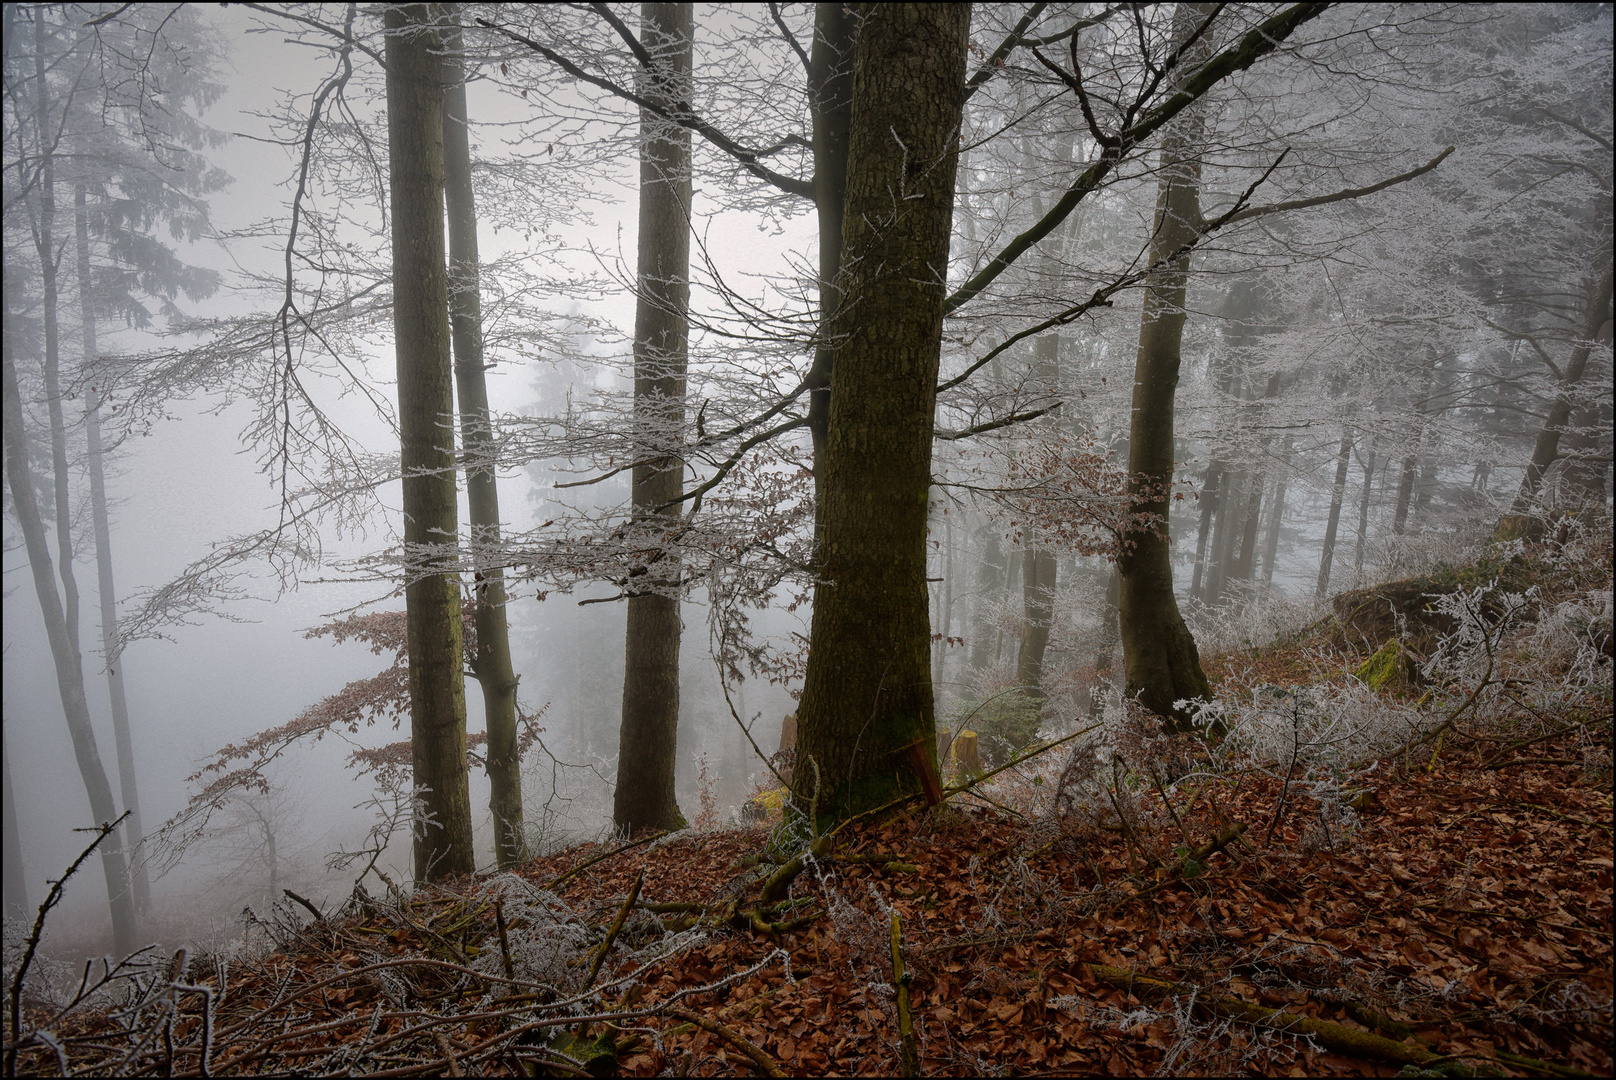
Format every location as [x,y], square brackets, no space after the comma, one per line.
[1390,670]
[1518,527]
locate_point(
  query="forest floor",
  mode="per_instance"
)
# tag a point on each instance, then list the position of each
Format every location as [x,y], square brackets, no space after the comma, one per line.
[1447,911]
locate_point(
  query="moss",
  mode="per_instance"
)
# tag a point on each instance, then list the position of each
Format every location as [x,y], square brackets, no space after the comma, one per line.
[1390,670]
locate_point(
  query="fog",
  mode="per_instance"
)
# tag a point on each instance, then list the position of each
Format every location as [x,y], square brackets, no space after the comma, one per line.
[1268,392]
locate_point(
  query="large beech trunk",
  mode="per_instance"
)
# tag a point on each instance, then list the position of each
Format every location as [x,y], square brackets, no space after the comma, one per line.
[443,844]
[645,797]
[492,663]
[1160,660]
[865,724]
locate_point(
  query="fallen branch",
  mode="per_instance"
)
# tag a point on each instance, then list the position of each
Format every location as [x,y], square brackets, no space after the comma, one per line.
[616,928]
[1335,1037]
[762,1060]
[587,863]
[906,1021]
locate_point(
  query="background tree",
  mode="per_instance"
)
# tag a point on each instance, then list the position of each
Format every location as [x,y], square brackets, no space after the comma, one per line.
[443,843]
[645,798]
[491,664]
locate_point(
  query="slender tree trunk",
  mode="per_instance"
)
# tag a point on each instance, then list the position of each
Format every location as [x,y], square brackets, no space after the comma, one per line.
[1038,572]
[1211,489]
[443,844]
[989,579]
[1248,542]
[1363,515]
[64,651]
[1110,634]
[492,663]
[1410,464]
[1547,448]
[16,881]
[1160,659]
[1276,512]
[865,726]
[645,796]
[1343,463]
[1225,531]
[140,879]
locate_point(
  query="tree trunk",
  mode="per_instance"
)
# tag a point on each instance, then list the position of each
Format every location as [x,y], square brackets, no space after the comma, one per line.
[865,726]
[1405,482]
[64,651]
[1038,572]
[1225,531]
[16,902]
[492,664]
[140,879]
[990,576]
[645,796]
[1547,448]
[830,104]
[1241,571]
[1343,463]
[1210,491]
[1276,511]
[443,843]
[1363,515]
[1160,660]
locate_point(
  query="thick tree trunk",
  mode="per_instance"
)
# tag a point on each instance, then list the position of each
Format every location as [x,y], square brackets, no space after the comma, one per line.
[830,103]
[645,796]
[1226,532]
[16,895]
[1547,448]
[1160,660]
[443,844]
[865,726]
[64,651]
[1343,463]
[123,739]
[492,664]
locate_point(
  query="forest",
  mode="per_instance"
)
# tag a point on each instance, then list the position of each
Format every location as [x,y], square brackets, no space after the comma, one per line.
[808,539]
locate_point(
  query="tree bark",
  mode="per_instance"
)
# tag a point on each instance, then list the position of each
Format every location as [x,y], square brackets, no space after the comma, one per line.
[1276,512]
[492,664]
[1547,448]
[1343,463]
[866,729]
[1363,515]
[1160,660]
[64,651]
[1038,574]
[645,796]
[1211,489]
[123,739]
[830,103]
[16,894]
[443,842]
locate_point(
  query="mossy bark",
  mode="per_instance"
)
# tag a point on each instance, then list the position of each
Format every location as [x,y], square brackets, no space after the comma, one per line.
[647,742]
[492,663]
[867,697]
[443,845]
